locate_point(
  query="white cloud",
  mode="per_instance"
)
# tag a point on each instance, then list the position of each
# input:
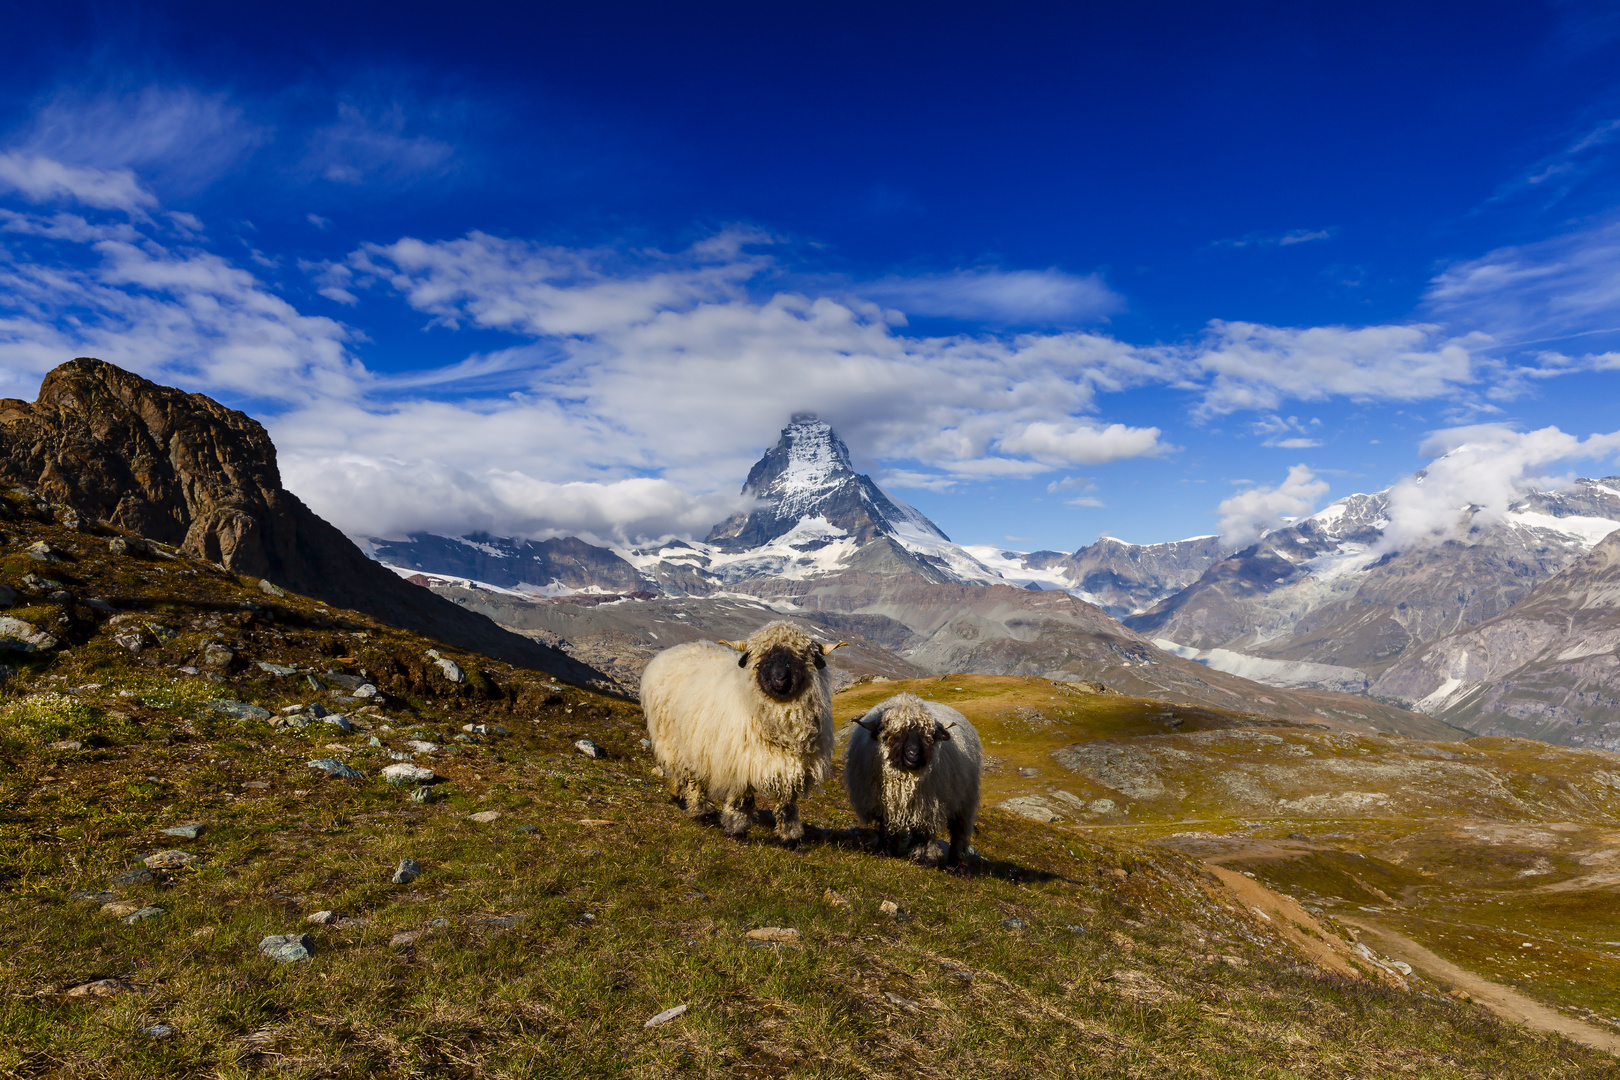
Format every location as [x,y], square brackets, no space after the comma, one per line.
[1024,297]
[41,179]
[1258,367]
[391,497]
[1070,442]
[1296,443]
[1478,472]
[1248,514]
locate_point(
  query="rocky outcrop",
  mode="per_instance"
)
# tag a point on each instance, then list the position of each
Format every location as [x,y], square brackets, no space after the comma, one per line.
[185,470]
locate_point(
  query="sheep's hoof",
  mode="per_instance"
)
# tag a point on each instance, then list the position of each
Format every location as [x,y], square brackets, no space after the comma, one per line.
[791,836]
[734,823]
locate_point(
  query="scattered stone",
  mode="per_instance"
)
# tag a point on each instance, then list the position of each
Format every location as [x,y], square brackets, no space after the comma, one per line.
[287,948]
[61,596]
[421,746]
[904,1003]
[409,870]
[1101,806]
[1401,966]
[889,908]
[94,899]
[404,938]
[158,1031]
[187,670]
[117,909]
[317,710]
[240,710]
[138,875]
[217,656]
[504,922]
[1015,923]
[168,860]
[1116,873]
[589,748]
[365,691]
[527,829]
[144,914]
[774,935]
[257,785]
[451,670]
[334,767]
[406,773]
[35,583]
[24,637]
[834,899]
[279,670]
[484,817]
[104,988]
[665,1017]
[67,744]
[440,922]
[323,918]
[42,552]
[125,545]
[292,710]
[96,603]
[185,832]
[351,922]
[424,795]
[1028,773]
[1030,806]
[271,588]
[339,721]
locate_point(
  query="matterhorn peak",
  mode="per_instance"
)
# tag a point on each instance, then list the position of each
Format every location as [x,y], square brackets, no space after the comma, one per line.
[808,475]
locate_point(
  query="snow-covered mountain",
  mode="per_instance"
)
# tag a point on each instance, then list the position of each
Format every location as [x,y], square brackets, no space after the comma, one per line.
[1121,578]
[1326,602]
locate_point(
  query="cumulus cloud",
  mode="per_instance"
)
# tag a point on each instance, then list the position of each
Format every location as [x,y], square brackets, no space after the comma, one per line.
[1022,297]
[1249,514]
[1078,443]
[1477,473]
[392,497]
[1257,367]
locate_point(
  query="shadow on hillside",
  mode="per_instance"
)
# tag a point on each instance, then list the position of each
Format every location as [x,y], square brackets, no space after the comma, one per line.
[866,841]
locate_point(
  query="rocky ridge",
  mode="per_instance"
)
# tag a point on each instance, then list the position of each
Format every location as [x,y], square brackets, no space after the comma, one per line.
[107,445]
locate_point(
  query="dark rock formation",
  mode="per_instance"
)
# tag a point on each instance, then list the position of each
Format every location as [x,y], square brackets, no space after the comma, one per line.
[184,470]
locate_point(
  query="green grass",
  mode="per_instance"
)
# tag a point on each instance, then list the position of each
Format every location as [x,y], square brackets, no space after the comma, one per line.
[1153,973]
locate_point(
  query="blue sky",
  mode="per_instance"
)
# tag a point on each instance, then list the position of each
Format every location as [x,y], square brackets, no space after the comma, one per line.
[1151,270]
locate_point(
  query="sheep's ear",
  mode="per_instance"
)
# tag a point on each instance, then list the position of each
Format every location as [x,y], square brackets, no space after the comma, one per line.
[742,661]
[872,722]
[740,646]
[826,650]
[940,733]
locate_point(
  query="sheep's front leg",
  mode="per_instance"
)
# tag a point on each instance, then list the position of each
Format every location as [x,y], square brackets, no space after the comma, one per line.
[961,833]
[693,798]
[734,820]
[789,829]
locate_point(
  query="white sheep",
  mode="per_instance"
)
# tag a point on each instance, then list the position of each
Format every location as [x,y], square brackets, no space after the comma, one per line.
[725,727]
[912,769]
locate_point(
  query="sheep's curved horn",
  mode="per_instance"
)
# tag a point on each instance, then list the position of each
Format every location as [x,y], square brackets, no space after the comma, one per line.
[827,649]
[740,646]
[941,733]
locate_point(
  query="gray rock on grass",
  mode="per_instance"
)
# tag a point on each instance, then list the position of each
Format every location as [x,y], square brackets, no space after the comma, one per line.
[287,948]
[169,860]
[334,767]
[148,912]
[589,748]
[185,832]
[409,870]
[406,773]
[240,710]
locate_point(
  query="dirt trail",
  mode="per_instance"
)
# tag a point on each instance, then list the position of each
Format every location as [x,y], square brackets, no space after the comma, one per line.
[1501,1000]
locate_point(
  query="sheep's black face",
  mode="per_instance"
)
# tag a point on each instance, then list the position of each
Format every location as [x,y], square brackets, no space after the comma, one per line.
[782,673]
[909,751]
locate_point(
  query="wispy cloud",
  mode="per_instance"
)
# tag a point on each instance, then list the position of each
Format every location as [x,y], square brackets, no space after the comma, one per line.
[41,179]
[1287,239]
[1249,514]
[1020,297]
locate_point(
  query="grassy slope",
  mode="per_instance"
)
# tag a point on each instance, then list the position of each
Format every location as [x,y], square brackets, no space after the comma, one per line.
[1124,959]
[1502,855]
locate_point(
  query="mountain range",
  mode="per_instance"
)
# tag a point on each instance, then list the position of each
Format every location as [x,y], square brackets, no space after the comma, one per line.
[1325,611]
